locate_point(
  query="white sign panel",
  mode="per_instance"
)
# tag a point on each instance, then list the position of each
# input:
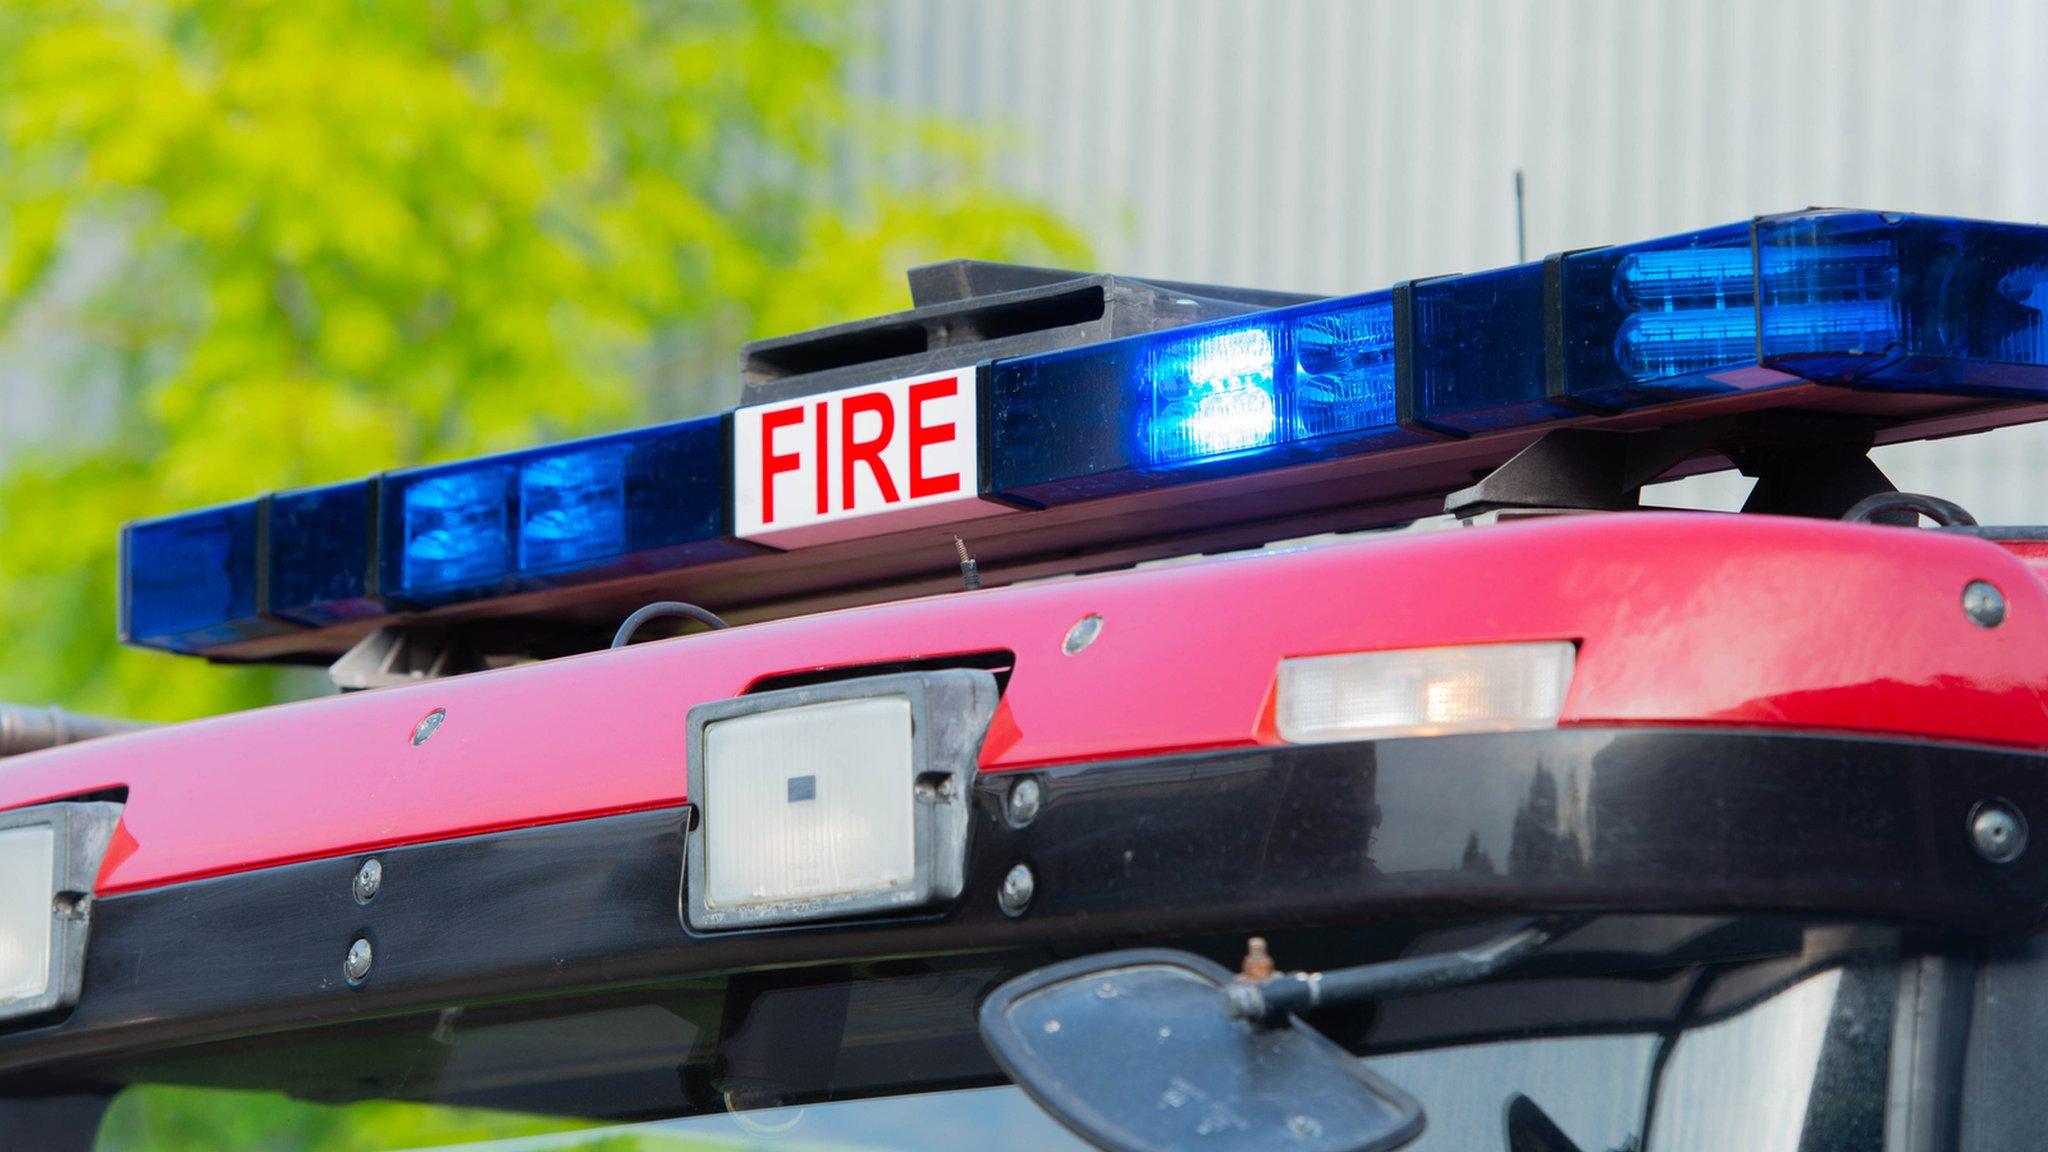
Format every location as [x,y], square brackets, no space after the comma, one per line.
[858,462]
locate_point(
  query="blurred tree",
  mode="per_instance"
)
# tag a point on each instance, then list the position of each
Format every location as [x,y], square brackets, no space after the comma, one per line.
[328,237]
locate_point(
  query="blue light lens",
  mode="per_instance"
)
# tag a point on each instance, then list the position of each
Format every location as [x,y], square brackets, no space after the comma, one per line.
[1293,384]
[321,568]
[456,529]
[1869,300]
[189,582]
[1953,305]
[1651,322]
[573,507]
[639,501]
[1473,352]
[1211,395]
[1343,369]
[1684,279]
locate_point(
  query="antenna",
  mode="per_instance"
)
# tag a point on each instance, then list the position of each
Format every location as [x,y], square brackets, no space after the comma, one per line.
[1521,228]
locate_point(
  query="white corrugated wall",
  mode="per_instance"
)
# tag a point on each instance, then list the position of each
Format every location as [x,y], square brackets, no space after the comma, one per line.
[1335,146]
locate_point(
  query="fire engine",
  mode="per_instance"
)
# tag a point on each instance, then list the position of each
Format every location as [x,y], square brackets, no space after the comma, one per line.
[1094,711]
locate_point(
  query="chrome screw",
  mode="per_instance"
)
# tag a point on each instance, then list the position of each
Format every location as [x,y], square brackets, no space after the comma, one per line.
[1022,807]
[369,878]
[357,964]
[1984,603]
[428,725]
[1999,831]
[1082,634]
[1018,887]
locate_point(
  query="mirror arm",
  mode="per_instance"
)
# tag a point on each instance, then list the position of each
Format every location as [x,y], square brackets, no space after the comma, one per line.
[1271,1001]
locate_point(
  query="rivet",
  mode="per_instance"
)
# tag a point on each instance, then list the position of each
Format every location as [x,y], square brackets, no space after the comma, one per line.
[1018,887]
[356,964]
[1022,806]
[369,878]
[428,725]
[1984,603]
[1082,634]
[1998,830]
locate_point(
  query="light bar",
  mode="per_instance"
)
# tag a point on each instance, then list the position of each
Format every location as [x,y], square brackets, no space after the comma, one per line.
[49,857]
[1861,300]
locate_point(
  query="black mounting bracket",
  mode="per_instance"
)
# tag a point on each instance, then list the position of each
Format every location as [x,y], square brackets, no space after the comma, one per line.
[1804,465]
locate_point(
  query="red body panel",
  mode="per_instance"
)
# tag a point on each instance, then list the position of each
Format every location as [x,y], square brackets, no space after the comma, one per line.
[1681,618]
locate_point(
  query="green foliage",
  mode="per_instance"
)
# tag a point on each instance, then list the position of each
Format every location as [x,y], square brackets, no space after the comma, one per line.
[168,1118]
[333,237]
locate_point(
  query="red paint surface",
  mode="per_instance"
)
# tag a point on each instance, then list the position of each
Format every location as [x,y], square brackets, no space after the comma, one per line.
[2034,552]
[1682,619]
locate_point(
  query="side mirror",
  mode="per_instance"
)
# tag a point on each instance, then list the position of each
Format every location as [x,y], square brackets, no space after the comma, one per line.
[1138,1051]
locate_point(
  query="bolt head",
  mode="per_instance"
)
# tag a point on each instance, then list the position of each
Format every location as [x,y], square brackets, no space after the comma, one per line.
[1022,806]
[1018,888]
[369,878]
[1082,634]
[1999,831]
[1984,604]
[356,964]
[428,725]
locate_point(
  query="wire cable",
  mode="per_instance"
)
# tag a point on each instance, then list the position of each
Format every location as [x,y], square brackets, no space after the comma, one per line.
[660,609]
[1946,513]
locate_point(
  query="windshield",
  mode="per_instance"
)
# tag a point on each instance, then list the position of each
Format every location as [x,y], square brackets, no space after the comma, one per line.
[1804,1069]
[1791,1051]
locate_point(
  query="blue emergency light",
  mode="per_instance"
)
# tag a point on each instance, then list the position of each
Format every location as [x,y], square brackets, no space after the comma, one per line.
[639,501]
[1862,300]
[1282,386]
[192,581]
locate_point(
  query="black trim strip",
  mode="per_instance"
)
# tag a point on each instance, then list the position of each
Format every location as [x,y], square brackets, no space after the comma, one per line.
[1646,820]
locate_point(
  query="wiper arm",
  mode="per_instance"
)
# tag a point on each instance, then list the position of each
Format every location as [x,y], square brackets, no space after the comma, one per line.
[1271,1001]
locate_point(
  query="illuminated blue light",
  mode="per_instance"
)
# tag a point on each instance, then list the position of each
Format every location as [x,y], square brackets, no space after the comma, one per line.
[1868,300]
[457,529]
[189,582]
[2027,287]
[1683,312]
[1212,395]
[1962,314]
[1669,279]
[1654,346]
[1343,369]
[573,507]
[1294,384]
[653,499]
[1643,323]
